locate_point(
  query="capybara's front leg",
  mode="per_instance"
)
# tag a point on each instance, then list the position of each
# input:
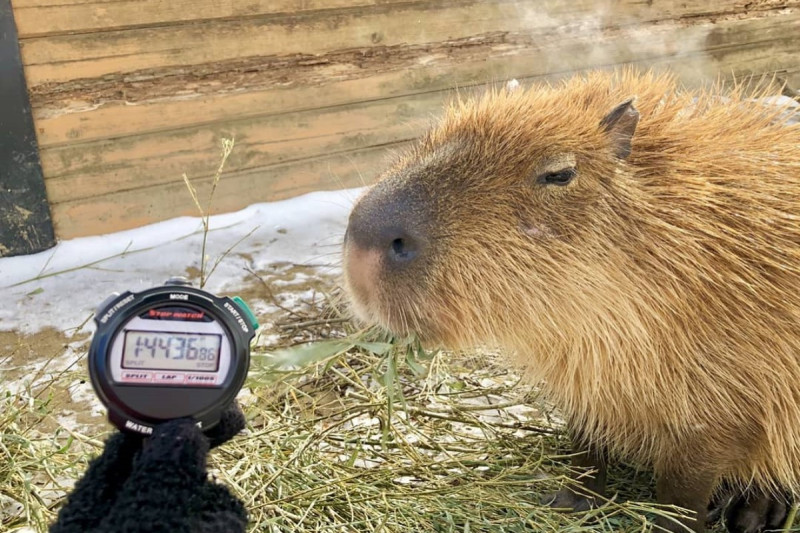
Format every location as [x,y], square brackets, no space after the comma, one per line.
[689,487]
[590,462]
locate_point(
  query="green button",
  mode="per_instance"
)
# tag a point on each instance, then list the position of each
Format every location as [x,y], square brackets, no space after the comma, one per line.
[250,316]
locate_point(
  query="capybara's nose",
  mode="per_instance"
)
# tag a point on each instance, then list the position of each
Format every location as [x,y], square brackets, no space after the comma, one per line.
[388,228]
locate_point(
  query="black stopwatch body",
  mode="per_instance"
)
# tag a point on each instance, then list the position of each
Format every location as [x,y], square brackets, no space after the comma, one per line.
[169,352]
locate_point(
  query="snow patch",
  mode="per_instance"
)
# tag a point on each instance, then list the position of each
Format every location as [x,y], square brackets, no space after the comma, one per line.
[61,287]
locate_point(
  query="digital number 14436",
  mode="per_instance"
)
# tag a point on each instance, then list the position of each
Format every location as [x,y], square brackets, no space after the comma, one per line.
[174,347]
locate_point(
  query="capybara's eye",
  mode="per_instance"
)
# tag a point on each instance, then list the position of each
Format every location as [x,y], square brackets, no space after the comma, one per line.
[561,177]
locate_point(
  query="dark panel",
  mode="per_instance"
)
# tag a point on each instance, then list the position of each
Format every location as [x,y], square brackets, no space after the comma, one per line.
[25,225]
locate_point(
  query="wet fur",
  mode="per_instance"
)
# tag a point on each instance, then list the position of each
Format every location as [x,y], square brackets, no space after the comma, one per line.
[656,298]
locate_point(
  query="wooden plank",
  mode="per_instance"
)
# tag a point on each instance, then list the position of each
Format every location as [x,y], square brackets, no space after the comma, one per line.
[406,70]
[271,136]
[732,47]
[119,165]
[146,204]
[93,169]
[317,87]
[47,17]
[130,209]
[25,225]
[62,58]
[791,76]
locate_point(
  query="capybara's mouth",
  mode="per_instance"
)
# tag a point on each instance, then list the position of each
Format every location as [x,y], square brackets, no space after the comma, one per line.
[392,310]
[364,293]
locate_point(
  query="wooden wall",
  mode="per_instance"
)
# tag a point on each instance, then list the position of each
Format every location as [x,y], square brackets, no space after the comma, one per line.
[130,94]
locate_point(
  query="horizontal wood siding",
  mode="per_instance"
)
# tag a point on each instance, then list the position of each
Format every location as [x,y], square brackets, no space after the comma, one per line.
[129,95]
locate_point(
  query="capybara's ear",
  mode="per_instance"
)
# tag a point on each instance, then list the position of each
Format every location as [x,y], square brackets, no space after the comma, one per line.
[620,124]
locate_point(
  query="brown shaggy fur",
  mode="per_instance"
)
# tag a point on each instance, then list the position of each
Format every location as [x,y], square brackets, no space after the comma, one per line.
[656,297]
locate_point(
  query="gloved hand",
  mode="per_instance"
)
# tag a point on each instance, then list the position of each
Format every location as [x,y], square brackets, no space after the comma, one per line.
[156,484]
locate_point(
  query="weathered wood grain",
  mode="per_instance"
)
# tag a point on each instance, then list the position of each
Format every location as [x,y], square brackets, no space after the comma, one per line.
[48,17]
[89,170]
[37,18]
[273,135]
[130,94]
[91,55]
[115,107]
[130,209]
[61,58]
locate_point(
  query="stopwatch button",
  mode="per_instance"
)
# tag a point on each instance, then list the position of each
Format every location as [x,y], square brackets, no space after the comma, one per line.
[178,280]
[250,316]
[104,305]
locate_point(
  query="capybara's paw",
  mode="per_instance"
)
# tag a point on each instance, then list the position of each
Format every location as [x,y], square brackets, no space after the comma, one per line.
[756,513]
[568,499]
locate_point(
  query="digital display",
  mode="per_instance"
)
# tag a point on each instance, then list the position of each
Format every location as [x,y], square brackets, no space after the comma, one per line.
[166,350]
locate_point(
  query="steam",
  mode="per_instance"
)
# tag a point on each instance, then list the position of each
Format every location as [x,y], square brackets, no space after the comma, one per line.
[572,36]
[512,85]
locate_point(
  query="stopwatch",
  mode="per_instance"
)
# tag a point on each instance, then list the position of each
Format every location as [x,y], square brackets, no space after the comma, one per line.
[168,352]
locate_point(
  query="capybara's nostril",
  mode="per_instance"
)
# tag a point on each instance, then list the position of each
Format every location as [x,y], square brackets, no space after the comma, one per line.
[403,249]
[392,227]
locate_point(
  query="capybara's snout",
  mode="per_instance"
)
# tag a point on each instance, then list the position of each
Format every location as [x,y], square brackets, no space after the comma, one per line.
[385,244]
[384,228]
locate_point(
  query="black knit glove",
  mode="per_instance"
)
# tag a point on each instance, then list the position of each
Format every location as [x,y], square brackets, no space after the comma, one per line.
[158,484]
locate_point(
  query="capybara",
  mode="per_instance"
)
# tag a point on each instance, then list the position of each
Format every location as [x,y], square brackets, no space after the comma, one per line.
[634,246]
